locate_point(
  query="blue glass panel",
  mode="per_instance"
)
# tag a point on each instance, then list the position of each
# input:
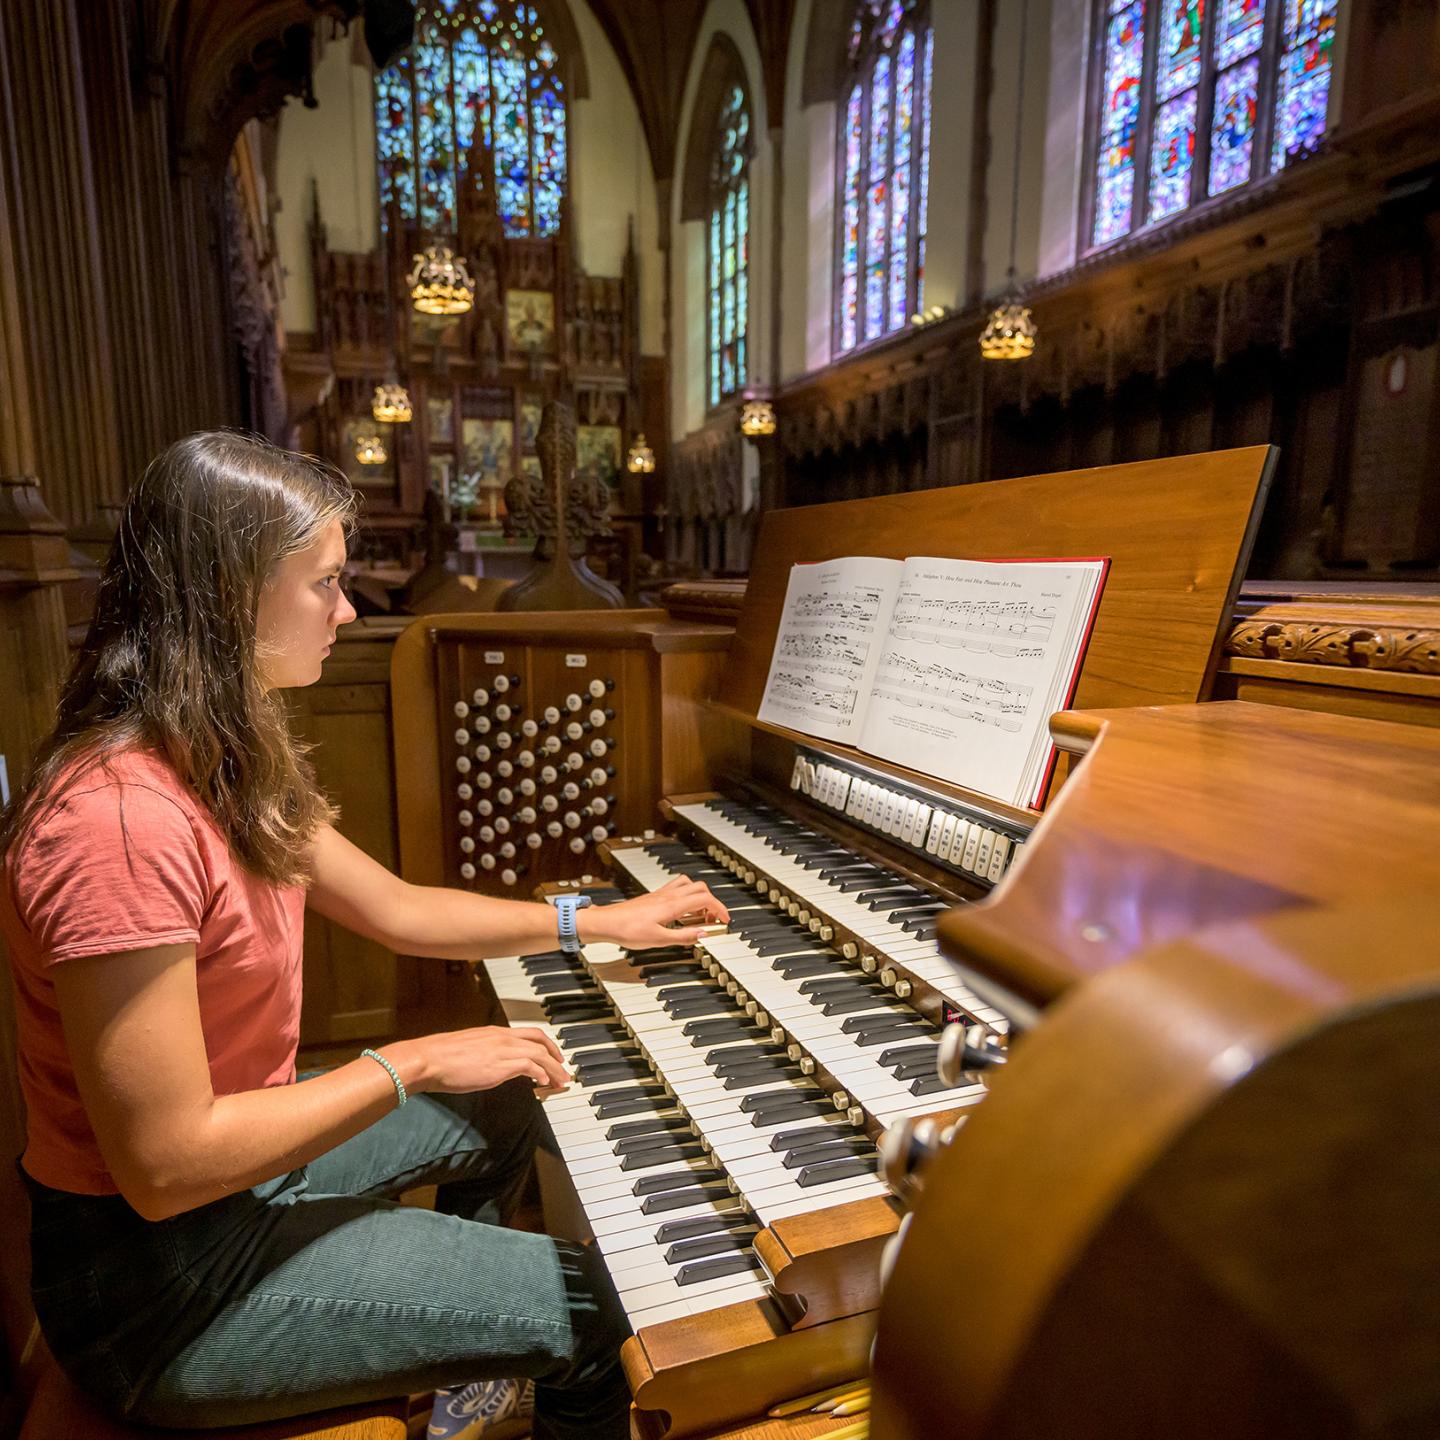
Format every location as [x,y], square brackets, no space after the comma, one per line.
[877,202]
[1179,67]
[394,139]
[1232,131]
[1115,177]
[1239,29]
[850,235]
[900,183]
[472,93]
[548,112]
[512,144]
[922,212]
[1303,89]
[434,134]
[1172,156]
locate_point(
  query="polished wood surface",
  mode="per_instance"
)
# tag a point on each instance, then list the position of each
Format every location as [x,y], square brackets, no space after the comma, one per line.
[1176,560]
[1200,1199]
[1185,816]
[691,1376]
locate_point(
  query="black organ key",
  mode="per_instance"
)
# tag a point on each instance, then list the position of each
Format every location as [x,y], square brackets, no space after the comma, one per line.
[706,1245]
[819,1154]
[655,1125]
[772,1099]
[717,1224]
[678,1199]
[662,1155]
[676,1180]
[829,1171]
[900,1054]
[736,1264]
[813,1135]
[781,1115]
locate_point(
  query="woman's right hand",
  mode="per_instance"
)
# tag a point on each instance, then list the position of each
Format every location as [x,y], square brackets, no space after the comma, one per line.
[455,1062]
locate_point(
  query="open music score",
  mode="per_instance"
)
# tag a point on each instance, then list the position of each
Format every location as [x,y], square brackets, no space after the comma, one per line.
[948,666]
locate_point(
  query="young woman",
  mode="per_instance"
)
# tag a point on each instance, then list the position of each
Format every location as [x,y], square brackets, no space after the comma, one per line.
[212,1242]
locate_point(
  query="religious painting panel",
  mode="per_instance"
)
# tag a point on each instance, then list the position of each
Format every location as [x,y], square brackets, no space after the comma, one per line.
[597,452]
[530,322]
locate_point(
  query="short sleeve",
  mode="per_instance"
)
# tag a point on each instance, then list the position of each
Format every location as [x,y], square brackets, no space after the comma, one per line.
[114,866]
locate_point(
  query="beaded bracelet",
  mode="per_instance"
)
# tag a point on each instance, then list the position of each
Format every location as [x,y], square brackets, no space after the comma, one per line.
[394,1074]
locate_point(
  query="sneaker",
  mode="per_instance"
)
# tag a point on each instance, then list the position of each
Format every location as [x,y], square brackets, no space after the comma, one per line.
[496,1408]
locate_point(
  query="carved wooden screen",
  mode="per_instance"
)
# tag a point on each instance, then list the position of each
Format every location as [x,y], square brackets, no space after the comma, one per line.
[1192,98]
[882,171]
[481,80]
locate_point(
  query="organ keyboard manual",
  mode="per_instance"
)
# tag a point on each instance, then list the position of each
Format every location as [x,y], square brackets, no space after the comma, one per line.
[948,666]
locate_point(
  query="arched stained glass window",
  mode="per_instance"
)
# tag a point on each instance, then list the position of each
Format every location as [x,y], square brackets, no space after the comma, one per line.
[480,72]
[1199,96]
[728,248]
[883,170]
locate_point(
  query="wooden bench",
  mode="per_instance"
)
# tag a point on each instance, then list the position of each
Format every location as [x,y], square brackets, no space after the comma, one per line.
[61,1412]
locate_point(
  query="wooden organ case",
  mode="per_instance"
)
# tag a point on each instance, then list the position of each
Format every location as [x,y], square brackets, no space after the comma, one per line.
[777,1068]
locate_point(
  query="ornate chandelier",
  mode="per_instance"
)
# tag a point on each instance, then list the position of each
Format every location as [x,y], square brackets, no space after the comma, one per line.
[1010,335]
[641,459]
[757,417]
[391,404]
[370,450]
[440,283]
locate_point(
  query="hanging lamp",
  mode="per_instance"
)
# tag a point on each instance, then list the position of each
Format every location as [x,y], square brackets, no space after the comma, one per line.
[641,458]
[1010,334]
[440,282]
[757,417]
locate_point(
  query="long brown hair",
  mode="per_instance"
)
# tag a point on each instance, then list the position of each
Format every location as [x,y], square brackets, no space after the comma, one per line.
[169,661]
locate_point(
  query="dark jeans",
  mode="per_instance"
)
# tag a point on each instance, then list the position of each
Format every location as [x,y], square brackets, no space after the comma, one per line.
[318,1289]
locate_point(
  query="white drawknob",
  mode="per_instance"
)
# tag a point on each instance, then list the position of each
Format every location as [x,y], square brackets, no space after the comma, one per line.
[549,804]
[481,697]
[570,790]
[504,769]
[529,729]
[598,776]
[554,829]
[508,877]
[462,764]
[501,684]
[504,796]
[467,871]
[466,818]
[525,759]
[482,725]
[462,737]
[463,790]
[597,688]
[598,747]
[502,712]
[551,715]
[572,820]
[598,833]
[503,740]
[577,845]
[467,845]
[507,851]
[548,774]
[487,833]
[461,709]
[487,862]
[482,753]
[574,730]
[597,718]
[502,825]
[599,806]
[573,762]
[483,807]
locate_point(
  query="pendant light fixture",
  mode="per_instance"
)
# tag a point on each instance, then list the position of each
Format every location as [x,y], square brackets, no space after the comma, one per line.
[641,459]
[440,283]
[1010,335]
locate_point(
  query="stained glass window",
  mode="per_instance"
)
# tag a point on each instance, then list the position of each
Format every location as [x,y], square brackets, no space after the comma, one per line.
[728,249]
[883,171]
[1197,97]
[481,85]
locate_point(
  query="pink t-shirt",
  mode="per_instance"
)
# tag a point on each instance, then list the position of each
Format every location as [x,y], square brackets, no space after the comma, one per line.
[128,858]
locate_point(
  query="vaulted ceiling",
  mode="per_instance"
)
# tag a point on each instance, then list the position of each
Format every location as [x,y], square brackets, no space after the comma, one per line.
[236,58]
[655,39]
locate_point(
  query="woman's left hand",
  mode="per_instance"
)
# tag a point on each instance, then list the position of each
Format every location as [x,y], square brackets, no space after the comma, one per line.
[645,921]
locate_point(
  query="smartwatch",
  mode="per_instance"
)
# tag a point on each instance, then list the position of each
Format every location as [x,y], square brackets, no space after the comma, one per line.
[565,908]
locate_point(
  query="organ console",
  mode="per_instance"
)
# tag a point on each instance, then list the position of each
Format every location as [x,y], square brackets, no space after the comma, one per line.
[754,1119]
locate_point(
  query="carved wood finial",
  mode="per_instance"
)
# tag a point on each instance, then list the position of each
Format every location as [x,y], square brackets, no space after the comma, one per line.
[563,510]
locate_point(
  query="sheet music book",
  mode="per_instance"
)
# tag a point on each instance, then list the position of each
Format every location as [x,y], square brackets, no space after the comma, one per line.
[951,667]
